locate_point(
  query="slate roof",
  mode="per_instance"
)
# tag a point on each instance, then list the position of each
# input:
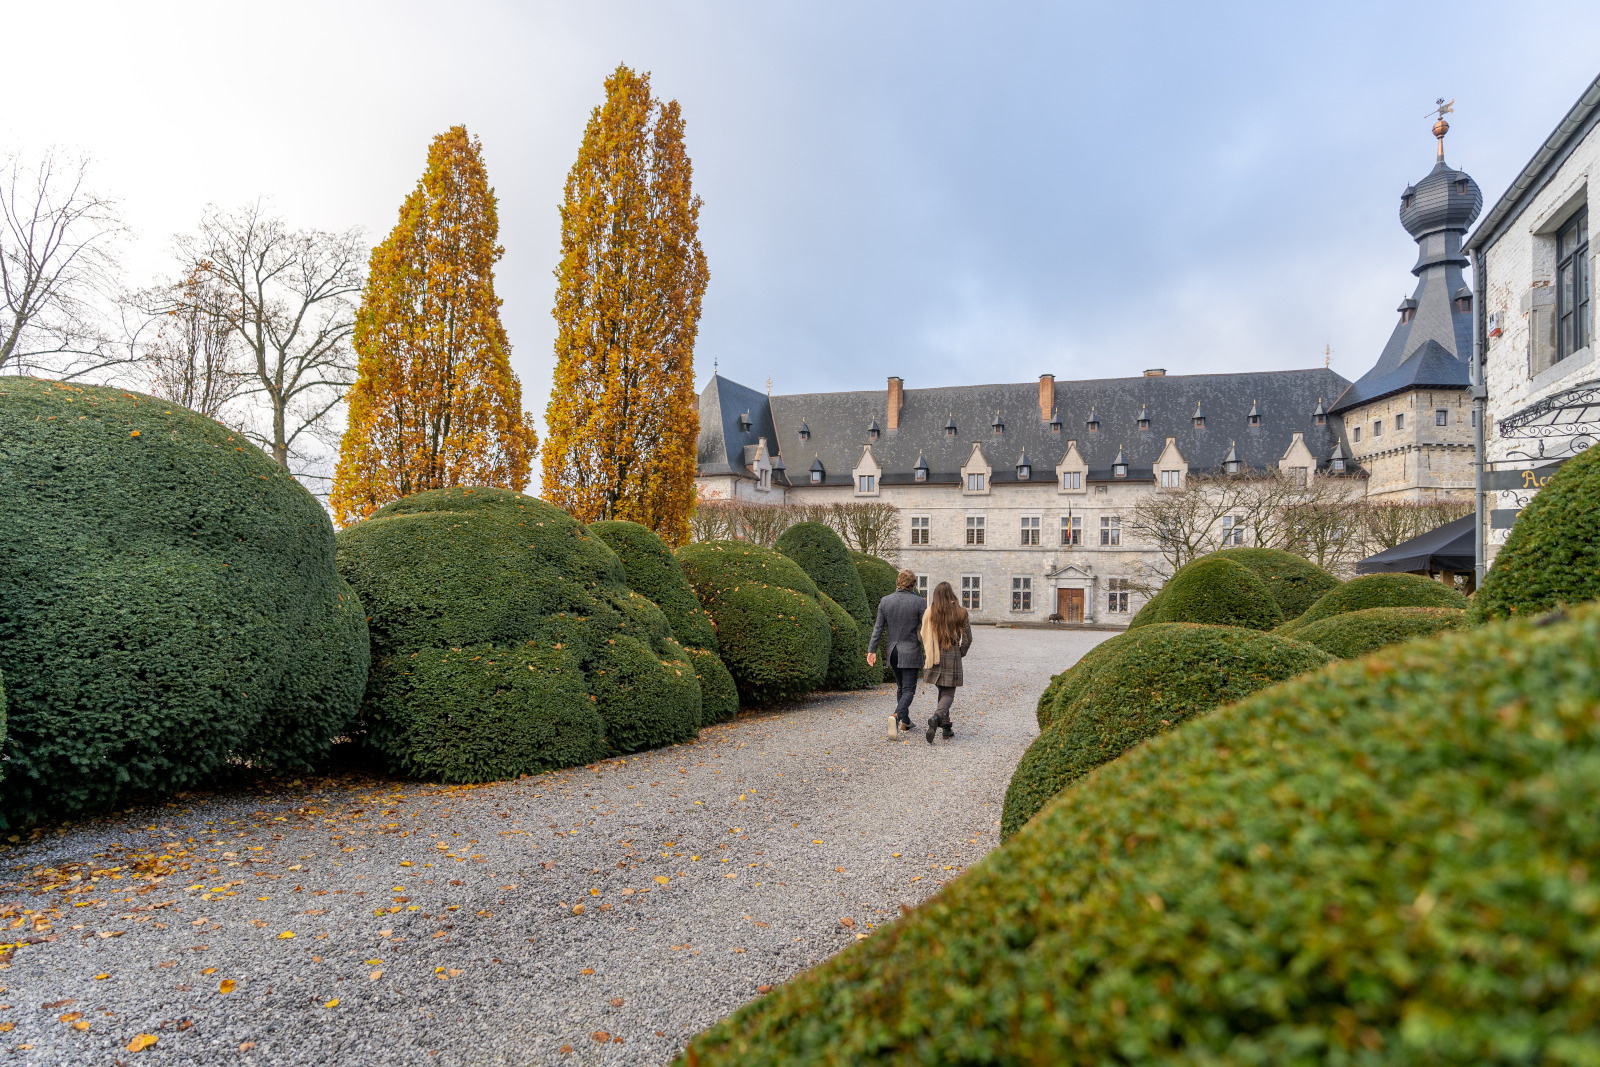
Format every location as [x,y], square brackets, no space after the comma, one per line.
[1434,348]
[839,421]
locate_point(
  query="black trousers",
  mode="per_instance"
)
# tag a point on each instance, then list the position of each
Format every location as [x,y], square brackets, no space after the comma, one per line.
[905,680]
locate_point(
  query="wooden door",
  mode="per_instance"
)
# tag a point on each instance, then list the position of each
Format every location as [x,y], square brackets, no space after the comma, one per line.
[1069,604]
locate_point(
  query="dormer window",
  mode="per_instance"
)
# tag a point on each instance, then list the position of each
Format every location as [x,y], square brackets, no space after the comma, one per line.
[744,421]
[1093,425]
[1336,460]
[1255,413]
[1338,465]
[1119,466]
[920,471]
[1199,418]
[1024,468]
[950,427]
[1320,416]
[1230,462]
[872,430]
[1144,419]
[1408,310]
[1460,185]
[817,471]
[1463,300]
[1407,196]
[997,425]
[805,431]
[1055,424]
[1232,466]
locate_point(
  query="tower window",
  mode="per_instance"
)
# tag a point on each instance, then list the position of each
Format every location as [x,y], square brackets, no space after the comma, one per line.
[1572,285]
[1441,417]
[1400,421]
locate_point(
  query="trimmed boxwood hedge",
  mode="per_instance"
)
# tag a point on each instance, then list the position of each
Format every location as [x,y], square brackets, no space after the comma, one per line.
[1356,633]
[1552,556]
[878,577]
[847,649]
[467,587]
[1379,591]
[168,603]
[1388,861]
[825,558]
[1168,673]
[1065,687]
[1294,581]
[1214,591]
[654,573]
[775,636]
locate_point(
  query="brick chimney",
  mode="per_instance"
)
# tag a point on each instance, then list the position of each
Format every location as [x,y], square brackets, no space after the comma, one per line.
[1047,396]
[897,395]
[1156,372]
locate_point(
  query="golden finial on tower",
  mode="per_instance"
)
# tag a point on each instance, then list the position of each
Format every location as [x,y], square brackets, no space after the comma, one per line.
[1441,127]
[769,385]
[1327,355]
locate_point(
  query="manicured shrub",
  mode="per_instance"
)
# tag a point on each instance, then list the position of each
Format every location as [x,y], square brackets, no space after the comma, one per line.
[1065,687]
[878,577]
[1214,591]
[1294,582]
[823,555]
[1379,591]
[1389,861]
[465,588]
[1552,556]
[774,633]
[654,572]
[847,649]
[1165,674]
[168,603]
[1356,633]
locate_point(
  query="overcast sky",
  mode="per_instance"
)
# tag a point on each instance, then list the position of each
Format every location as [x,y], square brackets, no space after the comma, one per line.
[954,193]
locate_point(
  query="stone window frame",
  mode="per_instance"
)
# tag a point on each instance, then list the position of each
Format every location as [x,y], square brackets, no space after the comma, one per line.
[1022,593]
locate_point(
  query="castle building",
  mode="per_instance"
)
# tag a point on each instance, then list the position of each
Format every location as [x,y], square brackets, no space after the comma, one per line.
[1017,494]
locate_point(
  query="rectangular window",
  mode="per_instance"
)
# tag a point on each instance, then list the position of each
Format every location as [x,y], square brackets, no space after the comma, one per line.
[1022,594]
[1297,476]
[1357,432]
[919,529]
[1400,422]
[1111,529]
[1072,479]
[1030,530]
[974,529]
[972,592]
[1232,530]
[1377,427]
[865,483]
[766,480]
[1572,285]
[922,586]
[1169,479]
[1072,529]
[1441,417]
[1117,595]
[974,483]
[1474,417]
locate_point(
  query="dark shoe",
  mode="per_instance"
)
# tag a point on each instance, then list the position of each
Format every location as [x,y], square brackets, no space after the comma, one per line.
[948,733]
[932,726]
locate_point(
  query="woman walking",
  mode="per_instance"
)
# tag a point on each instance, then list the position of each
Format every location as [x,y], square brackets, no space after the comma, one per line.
[946,636]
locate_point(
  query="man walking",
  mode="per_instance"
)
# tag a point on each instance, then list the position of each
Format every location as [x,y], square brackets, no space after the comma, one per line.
[899,624]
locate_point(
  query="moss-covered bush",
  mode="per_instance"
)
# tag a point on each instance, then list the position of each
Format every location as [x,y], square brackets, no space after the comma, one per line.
[774,634]
[1379,591]
[654,573]
[1294,581]
[464,589]
[1552,556]
[1166,674]
[1213,591]
[168,602]
[1390,861]
[1356,633]
[825,558]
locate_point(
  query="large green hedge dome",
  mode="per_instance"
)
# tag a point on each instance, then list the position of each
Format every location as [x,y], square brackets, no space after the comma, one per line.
[847,650]
[1065,687]
[466,589]
[1171,672]
[1356,633]
[878,577]
[1552,556]
[774,633]
[654,572]
[825,558]
[1294,581]
[168,602]
[1379,591]
[1214,591]
[1389,861]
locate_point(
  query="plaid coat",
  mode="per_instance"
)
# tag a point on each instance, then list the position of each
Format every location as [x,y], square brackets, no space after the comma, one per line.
[948,670]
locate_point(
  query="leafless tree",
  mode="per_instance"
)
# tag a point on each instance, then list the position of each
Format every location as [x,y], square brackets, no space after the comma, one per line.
[287,295]
[193,359]
[1185,522]
[870,527]
[58,270]
[1385,524]
[1324,523]
[866,526]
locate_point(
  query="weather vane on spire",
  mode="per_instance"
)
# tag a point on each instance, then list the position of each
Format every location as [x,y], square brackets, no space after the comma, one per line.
[1441,127]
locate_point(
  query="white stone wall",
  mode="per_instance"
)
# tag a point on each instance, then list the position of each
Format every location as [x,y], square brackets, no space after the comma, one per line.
[1520,273]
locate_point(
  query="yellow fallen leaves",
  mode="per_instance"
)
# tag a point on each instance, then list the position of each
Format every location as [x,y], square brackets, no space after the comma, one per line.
[101,977]
[334,1003]
[69,1016]
[140,1042]
[662,879]
[816,842]
[228,986]
[375,975]
[285,935]
[6,1028]
[577,909]
[209,970]
[373,963]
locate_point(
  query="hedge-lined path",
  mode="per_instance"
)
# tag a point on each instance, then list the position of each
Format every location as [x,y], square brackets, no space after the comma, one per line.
[637,900]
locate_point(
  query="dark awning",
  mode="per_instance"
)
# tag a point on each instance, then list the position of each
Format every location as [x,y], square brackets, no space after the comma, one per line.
[1448,548]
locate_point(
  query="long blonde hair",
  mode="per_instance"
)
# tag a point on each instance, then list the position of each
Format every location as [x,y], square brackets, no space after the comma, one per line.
[946,615]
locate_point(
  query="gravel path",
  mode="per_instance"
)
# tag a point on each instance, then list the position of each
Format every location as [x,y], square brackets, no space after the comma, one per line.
[601,914]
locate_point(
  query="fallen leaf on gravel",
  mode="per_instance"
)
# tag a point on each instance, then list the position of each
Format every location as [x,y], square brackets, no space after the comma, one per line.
[101,977]
[847,921]
[285,934]
[816,842]
[111,933]
[53,1005]
[616,1002]
[141,1042]
[82,1024]
[246,1046]
[587,970]
[662,879]
[577,909]
[763,989]
[373,963]
[228,986]
[839,869]
[375,975]
[385,933]
[70,1016]
[334,1003]
[566,1050]
[258,923]
[601,1036]
[738,949]
[198,922]
[209,970]
[6,1028]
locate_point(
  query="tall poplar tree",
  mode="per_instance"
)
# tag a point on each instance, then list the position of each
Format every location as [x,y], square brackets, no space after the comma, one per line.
[435,403]
[623,419]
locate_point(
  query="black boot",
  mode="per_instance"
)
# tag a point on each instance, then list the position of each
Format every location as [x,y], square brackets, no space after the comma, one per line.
[932,726]
[948,733]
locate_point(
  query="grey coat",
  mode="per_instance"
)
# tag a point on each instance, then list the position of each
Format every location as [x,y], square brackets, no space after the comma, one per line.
[948,670]
[899,624]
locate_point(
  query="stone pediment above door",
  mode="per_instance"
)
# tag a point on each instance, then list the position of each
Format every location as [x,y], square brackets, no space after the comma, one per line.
[1072,570]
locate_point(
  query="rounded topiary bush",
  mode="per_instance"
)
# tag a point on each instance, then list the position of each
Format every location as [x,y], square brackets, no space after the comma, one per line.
[654,573]
[1214,591]
[825,558]
[774,634]
[1386,861]
[1357,633]
[1379,591]
[1065,687]
[878,577]
[1294,582]
[1167,673]
[168,603]
[847,650]
[1552,556]
[506,640]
